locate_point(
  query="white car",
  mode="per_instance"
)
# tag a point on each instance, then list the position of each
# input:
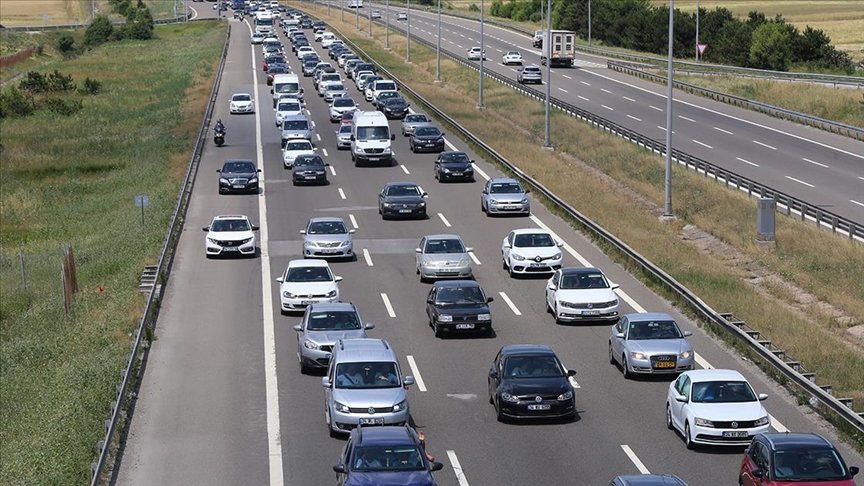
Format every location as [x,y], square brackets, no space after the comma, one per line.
[295,148]
[375,14]
[320,35]
[715,407]
[358,78]
[302,51]
[257,38]
[340,106]
[512,57]
[530,251]
[241,103]
[402,16]
[307,282]
[327,40]
[230,235]
[581,294]
[287,107]
[475,53]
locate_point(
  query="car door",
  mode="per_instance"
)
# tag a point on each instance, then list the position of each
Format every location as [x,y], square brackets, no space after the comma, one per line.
[431,311]
[756,457]
[495,374]
[437,167]
[420,256]
[682,387]
[345,459]
[484,196]
[301,336]
[552,288]
[381,200]
[618,344]
[506,247]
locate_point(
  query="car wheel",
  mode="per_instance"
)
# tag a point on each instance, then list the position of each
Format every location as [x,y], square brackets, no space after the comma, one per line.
[510,271]
[499,414]
[304,370]
[687,440]
[669,418]
[555,314]
[625,369]
[333,433]
[437,329]
[611,355]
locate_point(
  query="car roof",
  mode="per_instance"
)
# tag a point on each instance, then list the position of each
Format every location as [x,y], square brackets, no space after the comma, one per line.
[451,152]
[360,350]
[230,216]
[792,440]
[332,306]
[387,435]
[296,117]
[308,262]
[327,219]
[527,350]
[531,66]
[456,283]
[579,270]
[504,180]
[531,231]
[442,237]
[714,374]
[649,316]
[398,184]
[228,161]
[651,480]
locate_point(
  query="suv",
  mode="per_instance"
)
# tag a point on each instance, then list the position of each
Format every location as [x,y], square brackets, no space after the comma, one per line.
[385,455]
[364,386]
[322,326]
[787,458]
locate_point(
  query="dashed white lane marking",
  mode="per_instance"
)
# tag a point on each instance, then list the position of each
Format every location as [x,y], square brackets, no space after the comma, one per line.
[608,108]
[562,89]
[685,118]
[342,193]
[636,462]
[856,202]
[367,257]
[404,169]
[388,305]
[862,178]
[324,151]
[757,142]
[799,181]
[416,373]
[568,77]
[353,221]
[313,124]
[746,161]
[474,257]
[727,132]
[633,117]
[457,468]
[444,220]
[510,303]
[655,108]
[702,144]
[333,171]
[585,83]
[582,98]
[605,90]
[814,162]
[664,128]
[318,137]
[629,99]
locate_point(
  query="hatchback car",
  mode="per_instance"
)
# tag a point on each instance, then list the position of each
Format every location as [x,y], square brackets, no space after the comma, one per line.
[340,106]
[382,97]
[375,14]
[296,127]
[238,175]
[475,54]
[426,139]
[402,16]
[504,196]
[775,459]
[241,103]
[529,74]
[528,381]
[306,282]
[334,91]
[323,325]
[581,294]
[531,251]
[230,235]
[458,306]
[343,136]
[257,38]
[650,343]
[294,149]
[385,455]
[309,169]
[511,57]
[327,237]
[402,199]
[453,165]
[309,66]
[443,256]
[287,107]
[715,407]
[648,480]
[414,120]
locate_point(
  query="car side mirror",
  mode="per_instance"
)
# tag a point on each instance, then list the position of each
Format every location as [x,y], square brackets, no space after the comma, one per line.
[552,286]
[325,381]
[337,279]
[615,286]
[571,372]
[339,468]
[298,327]
[301,90]
[507,245]
[490,299]
[758,473]
[437,466]
[560,244]
[206,228]
[430,301]
[218,170]
[392,136]
[369,325]
[853,470]
[255,228]
[688,333]
[302,232]
[279,279]
[484,192]
[425,195]
[469,249]
[408,380]
[619,335]
[352,138]
[680,398]
[418,250]
[259,170]
[763,396]
[351,231]
[271,91]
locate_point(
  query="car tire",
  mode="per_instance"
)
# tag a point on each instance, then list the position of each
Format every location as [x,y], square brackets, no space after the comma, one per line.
[333,433]
[669,418]
[611,355]
[437,330]
[304,370]
[499,415]
[510,271]
[625,370]
[687,440]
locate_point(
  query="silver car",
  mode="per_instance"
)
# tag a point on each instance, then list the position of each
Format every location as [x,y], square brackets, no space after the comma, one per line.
[414,120]
[504,196]
[296,127]
[443,256]
[650,343]
[529,74]
[343,137]
[334,90]
[327,238]
[323,325]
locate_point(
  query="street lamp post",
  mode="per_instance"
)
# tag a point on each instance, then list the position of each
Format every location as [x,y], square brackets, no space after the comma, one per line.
[697,31]
[667,210]
[438,48]
[589,23]
[547,44]
[342,9]
[387,25]
[357,16]
[370,20]
[408,48]
[482,55]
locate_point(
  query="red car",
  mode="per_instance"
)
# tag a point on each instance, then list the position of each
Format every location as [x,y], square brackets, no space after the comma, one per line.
[775,459]
[347,118]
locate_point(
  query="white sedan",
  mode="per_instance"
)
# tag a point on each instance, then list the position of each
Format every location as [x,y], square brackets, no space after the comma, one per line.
[257,38]
[230,235]
[581,294]
[715,407]
[475,54]
[340,106]
[530,251]
[375,14]
[402,16]
[241,103]
[287,107]
[307,282]
[295,148]
[512,57]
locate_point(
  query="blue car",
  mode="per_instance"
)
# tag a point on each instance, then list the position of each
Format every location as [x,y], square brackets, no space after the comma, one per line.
[385,456]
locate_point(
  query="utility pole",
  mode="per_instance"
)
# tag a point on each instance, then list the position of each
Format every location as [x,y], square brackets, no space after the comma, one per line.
[667,209]
[438,48]
[547,44]
[408,49]
[482,48]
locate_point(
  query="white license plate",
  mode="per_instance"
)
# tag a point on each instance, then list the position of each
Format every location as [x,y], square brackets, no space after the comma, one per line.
[239,186]
[736,434]
[307,302]
[404,211]
[464,326]
[591,313]
[540,406]
[457,174]
[309,178]
[371,421]
[230,249]
[374,159]
[328,251]
[535,265]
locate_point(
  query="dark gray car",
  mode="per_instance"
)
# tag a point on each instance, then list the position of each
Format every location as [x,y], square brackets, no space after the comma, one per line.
[395,107]
[453,165]
[426,139]
[456,306]
[238,175]
[309,169]
[402,199]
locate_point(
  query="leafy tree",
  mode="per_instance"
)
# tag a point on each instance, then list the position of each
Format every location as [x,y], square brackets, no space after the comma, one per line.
[14,104]
[65,45]
[811,43]
[732,45]
[99,31]
[770,47]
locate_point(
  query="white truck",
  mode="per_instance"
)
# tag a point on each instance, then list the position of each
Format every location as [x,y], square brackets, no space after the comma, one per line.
[560,51]
[355,4]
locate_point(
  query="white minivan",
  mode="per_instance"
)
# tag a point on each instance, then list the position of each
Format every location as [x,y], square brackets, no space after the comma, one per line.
[286,86]
[370,138]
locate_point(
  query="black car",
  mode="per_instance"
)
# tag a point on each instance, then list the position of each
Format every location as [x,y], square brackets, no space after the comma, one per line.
[306,23]
[319,24]
[382,97]
[453,165]
[238,175]
[365,66]
[300,43]
[395,107]
[426,139]
[402,199]
[458,306]
[309,169]
[309,66]
[528,381]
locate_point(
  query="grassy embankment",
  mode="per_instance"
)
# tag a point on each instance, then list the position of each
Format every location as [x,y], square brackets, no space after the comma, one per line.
[29,12]
[73,180]
[826,266]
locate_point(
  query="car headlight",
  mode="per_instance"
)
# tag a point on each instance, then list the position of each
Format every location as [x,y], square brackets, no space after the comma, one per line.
[310,345]
[464,262]
[253,180]
[247,240]
[524,201]
[213,241]
[388,205]
[446,170]
[565,396]
[762,421]
[445,318]
[517,257]
[289,295]
[685,354]
[467,169]
[341,407]
[387,150]
[493,201]
[422,204]
[484,317]
[637,355]
[701,422]
[557,256]
[403,405]
[332,293]
[613,303]
[569,305]
[509,398]
[223,180]
[345,243]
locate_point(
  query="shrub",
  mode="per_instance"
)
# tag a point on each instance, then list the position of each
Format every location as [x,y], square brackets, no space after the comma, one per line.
[770,48]
[34,82]
[14,103]
[65,45]
[57,82]
[99,31]
[64,107]
[91,87]
[474,8]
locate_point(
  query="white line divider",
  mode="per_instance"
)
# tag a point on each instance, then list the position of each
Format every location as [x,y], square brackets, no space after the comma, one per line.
[387,304]
[404,169]
[415,372]
[317,136]
[510,303]
[324,151]
[333,170]
[341,193]
[367,257]
[457,468]
[474,257]
[353,221]
[446,223]
[635,459]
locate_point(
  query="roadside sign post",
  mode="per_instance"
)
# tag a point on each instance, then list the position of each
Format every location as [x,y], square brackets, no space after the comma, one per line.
[44,21]
[142,201]
[700,48]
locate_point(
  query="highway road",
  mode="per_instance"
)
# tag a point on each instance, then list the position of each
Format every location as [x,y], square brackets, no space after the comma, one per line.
[223,402]
[821,168]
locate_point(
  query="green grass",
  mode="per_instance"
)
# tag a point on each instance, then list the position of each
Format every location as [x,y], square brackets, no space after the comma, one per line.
[73,180]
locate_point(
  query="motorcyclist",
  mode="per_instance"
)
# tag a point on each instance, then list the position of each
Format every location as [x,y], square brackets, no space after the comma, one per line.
[220,128]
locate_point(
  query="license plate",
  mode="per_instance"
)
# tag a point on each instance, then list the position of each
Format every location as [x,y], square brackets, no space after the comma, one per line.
[374,159]
[535,265]
[230,249]
[307,302]
[371,421]
[309,178]
[591,313]
[239,186]
[464,326]
[328,251]
[404,211]
[540,406]
[664,364]
[736,434]
[457,174]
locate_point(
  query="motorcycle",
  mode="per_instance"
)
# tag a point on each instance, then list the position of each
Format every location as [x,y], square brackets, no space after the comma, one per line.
[219,137]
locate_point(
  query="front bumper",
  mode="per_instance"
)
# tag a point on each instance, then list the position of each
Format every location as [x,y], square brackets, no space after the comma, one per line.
[447,272]
[459,326]
[532,80]
[556,409]
[343,143]
[395,114]
[212,249]
[228,187]
[339,252]
[429,147]
[400,212]
[456,176]
[527,266]
[364,157]
[242,109]
[297,304]
[567,314]
[508,208]
[713,436]
[300,178]
[346,422]
[653,366]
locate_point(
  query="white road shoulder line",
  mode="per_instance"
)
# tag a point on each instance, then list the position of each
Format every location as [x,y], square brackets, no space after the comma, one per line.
[799,181]
[636,462]
[510,303]
[457,468]
[444,220]
[478,170]
[353,221]
[387,304]
[368,258]
[632,303]
[416,373]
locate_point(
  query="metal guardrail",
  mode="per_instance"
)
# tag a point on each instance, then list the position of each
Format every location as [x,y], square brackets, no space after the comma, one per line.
[725,321]
[775,111]
[34,28]
[166,259]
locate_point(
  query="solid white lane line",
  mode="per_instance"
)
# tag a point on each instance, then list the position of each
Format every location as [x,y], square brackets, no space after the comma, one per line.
[605,90]
[474,257]
[567,247]
[610,109]
[685,118]
[814,162]
[633,117]
[324,151]
[746,161]
[702,144]
[856,202]
[333,170]
[457,468]
[367,257]
[568,77]
[757,142]
[701,362]
[799,181]
[404,169]
[342,193]
[655,108]
[389,307]
[586,84]
[510,303]
[583,98]
[478,170]
[629,99]
[636,462]
[353,221]
[444,220]
[727,132]
[626,298]
[416,373]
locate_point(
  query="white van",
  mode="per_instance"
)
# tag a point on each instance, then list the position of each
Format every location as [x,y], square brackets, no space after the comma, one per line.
[286,86]
[264,24]
[378,86]
[370,138]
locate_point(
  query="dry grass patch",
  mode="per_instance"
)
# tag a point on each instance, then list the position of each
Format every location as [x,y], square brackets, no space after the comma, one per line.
[29,12]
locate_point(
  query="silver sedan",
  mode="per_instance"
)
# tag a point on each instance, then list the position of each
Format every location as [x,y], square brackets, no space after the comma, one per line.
[443,256]
[327,238]
[650,343]
[414,120]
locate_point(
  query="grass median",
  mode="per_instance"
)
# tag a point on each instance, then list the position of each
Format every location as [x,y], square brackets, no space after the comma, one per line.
[806,295]
[74,180]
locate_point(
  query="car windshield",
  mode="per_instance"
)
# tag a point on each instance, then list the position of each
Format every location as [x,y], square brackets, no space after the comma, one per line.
[311,63]
[365,134]
[402,190]
[298,146]
[584,280]
[643,330]
[809,465]
[327,228]
[295,125]
[402,458]
[309,274]
[722,392]
[277,69]
[533,240]
[394,101]
[532,70]
[367,375]
[287,88]
[506,188]
[335,87]
[241,97]
[289,107]
[343,103]
[238,167]
[387,94]
[454,158]
[333,321]
[460,295]
[444,246]
[345,129]
[385,86]
[427,131]
[512,53]
[230,225]
[532,367]
[308,161]
[418,118]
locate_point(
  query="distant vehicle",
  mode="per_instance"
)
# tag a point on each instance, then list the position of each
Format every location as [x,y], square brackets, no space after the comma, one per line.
[452,165]
[475,54]
[296,127]
[531,251]
[585,294]
[375,14]
[257,38]
[427,139]
[529,74]
[414,120]
[287,107]
[343,136]
[238,175]
[294,149]
[537,40]
[402,16]
[402,199]
[307,282]
[309,169]
[776,459]
[327,237]
[561,50]
[323,325]
[395,107]
[241,103]
[355,4]
[504,196]
[340,106]
[511,57]
[648,343]
[371,139]
[230,235]
[443,256]
[458,306]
